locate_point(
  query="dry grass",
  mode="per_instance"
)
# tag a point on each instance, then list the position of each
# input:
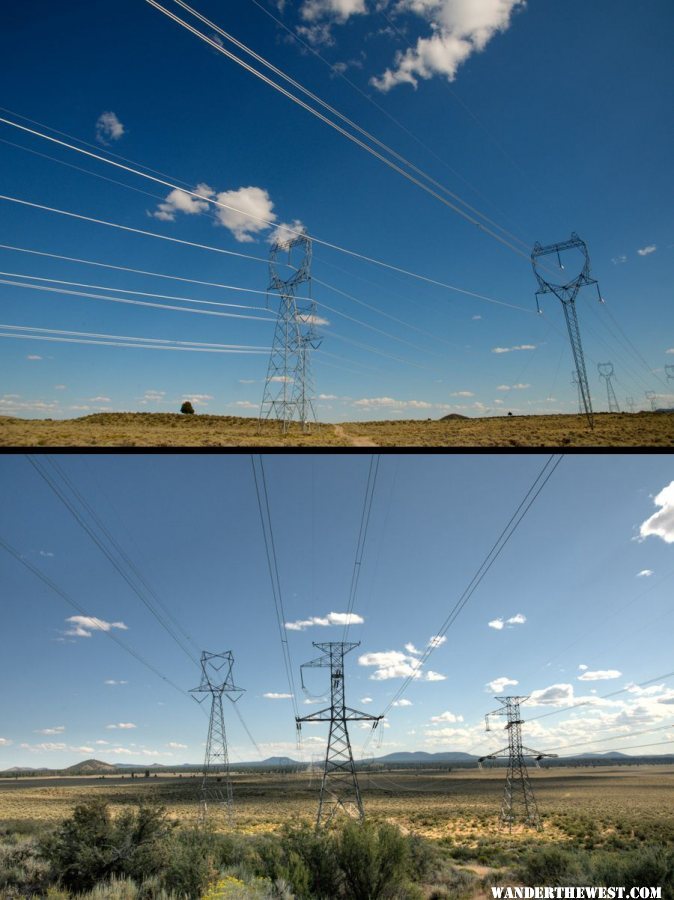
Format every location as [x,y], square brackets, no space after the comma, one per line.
[174,430]
[636,802]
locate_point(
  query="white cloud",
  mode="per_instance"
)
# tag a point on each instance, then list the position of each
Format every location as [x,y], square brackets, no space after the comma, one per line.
[328,397]
[499,684]
[174,745]
[599,675]
[366,699]
[336,10]
[197,399]
[412,649]
[84,626]
[618,260]
[651,248]
[499,623]
[332,618]
[33,356]
[123,725]
[583,667]
[390,664]
[402,702]
[554,695]
[285,232]
[108,128]
[120,751]
[513,349]
[180,201]
[254,204]
[434,676]
[517,619]
[274,696]
[46,553]
[496,623]
[102,742]
[437,640]
[661,523]
[113,681]
[447,716]
[645,573]
[153,395]
[513,387]
[246,404]
[5,742]
[57,729]
[462,394]
[476,318]
[459,28]
[99,399]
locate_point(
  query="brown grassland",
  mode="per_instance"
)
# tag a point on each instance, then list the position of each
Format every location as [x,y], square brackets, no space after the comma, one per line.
[643,429]
[588,804]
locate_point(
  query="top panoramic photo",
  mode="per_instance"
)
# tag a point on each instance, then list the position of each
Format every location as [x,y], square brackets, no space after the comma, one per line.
[336,223]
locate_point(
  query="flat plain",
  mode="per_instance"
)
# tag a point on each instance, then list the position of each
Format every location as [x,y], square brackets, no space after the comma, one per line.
[644,429]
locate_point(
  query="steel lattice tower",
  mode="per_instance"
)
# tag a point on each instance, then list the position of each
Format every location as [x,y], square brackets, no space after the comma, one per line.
[518,796]
[216,783]
[651,395]
[629,403]
[606,372]
[576,384]
[339,786]
[566,293]
[288,391]
[669,372]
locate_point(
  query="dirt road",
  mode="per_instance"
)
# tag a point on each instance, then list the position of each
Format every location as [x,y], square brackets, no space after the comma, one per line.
[354,441]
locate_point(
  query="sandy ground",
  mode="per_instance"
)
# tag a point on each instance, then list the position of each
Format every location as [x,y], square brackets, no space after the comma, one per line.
[646,429]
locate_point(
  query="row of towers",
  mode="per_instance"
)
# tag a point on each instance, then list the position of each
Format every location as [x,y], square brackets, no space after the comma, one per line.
[340,791]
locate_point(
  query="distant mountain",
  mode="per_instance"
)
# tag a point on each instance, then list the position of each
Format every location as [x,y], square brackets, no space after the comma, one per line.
[610,754]
[451,416]
[420,756]
[91,767]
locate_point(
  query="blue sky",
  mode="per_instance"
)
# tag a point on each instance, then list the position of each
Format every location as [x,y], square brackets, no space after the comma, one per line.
[585,582]
[545,119]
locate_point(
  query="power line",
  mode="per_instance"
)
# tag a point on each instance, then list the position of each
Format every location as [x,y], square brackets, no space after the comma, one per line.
[362,537]
[279,72]
[122,565]
[499,545]
[353,253]
[221,49]
[272,564]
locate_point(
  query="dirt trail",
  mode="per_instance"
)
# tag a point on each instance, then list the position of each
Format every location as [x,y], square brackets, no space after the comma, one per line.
[354,441]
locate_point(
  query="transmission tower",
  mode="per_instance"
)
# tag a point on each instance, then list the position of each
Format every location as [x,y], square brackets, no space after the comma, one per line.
[651,395]
[216,783]
[566,293]
[339,786]
[518,797]
[629,403]
[288,390]
[669,372]
[606,372]
[576,383]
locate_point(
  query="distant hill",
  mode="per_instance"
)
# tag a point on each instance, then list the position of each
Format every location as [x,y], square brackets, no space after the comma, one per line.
[450,416]
[610,754]
[90,767]
[420,756]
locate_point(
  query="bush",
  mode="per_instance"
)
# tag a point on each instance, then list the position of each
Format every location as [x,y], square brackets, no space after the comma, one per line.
[375,860]
[187,408]
[551,866]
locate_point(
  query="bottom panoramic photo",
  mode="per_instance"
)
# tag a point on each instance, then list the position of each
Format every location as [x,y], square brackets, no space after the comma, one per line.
[336,676]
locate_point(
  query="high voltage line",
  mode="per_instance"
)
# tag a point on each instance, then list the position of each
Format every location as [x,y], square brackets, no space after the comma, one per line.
[267,222]
[295,84]
[370,487]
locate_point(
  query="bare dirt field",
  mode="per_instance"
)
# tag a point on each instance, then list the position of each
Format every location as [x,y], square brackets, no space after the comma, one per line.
[645,429]
[633,802]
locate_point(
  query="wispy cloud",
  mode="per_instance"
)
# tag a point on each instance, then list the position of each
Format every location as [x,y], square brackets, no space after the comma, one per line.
[513,349]
[646,251]
[499,624]
[599,675]
[332,618]
[57,729]
[174,745]
[271,695]
[402,702]
[114,681]
[122,725]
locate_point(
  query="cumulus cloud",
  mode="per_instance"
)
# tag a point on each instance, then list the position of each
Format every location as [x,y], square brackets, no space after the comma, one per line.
[57,729]
[252,212]
[499,684]
[661,523]
[554,695]
[447,716]
[437,640]
[122,725]
[108,128]
[434,676]
[599,675]
[391,664]
[645,573]
[180,201]
[271,695]
[412,649]
[320,16]
[174,745]
[513,349]
[197,399]
[366,699]
[402,702]
[332,618]
[84,626]
[4,742]
[459,28]
[285,232]
[645,251]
